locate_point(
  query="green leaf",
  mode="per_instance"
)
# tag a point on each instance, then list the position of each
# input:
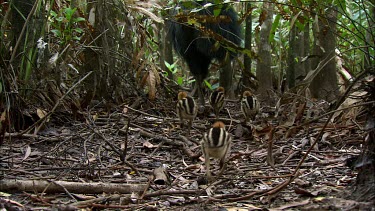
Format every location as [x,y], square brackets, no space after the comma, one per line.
[79,19]
[191,81]
[208,84]
[169,66]
[56,32]
[217,12]
[180,80]
[188,4]
[78,30]
[53,13]
[300,26]
[275,24]
[60,19]
[69,13]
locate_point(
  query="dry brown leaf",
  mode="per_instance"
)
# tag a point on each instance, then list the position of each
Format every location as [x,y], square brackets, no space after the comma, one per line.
[125,110]
[149,14]
[41,113]
[348,114]
[3,116]
[302,192]
[291,205]
[152,85]
[27,152]
[148,145]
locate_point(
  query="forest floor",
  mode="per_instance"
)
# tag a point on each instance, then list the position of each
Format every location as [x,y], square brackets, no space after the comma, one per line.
[264,156]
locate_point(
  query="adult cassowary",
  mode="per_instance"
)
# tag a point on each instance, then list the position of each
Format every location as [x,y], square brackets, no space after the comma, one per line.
[194,41]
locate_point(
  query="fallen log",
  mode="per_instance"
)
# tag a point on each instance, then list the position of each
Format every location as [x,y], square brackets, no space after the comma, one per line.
[72,187]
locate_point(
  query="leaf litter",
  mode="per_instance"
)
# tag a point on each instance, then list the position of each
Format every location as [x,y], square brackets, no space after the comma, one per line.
[155,166]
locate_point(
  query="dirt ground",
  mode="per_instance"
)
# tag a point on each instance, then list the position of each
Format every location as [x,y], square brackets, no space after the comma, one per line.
[264,170]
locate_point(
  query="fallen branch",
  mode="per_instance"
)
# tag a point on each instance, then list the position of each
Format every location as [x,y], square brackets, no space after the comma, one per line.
[179,144]
[73,187]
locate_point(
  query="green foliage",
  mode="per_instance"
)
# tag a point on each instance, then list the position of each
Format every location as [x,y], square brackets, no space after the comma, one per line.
[173,70]
[353,27]
[65,25]
[171,67]
[209,85]
[275,24]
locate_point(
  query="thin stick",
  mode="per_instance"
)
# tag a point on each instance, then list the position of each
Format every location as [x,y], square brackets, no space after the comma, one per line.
[42,120]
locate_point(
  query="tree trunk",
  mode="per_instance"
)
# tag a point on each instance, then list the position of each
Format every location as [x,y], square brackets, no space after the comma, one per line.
[324,85]
[292,56]
[263,69]
[300,45]
[226,79]
[247,75]
[166,49]
[296,68]
[306,48]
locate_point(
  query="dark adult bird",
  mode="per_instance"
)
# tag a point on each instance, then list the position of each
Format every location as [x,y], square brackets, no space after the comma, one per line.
[195,47]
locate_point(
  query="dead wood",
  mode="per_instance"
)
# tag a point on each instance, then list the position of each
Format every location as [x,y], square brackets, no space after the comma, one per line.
[179,144]
[161,176]
[72,187]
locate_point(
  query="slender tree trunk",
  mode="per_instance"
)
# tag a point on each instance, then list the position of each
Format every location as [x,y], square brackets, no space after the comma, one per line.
[306,48]
[226,79]
[292,56]
[263,70]
[296,68]
[300,45]
[325,85]
[166,49]
[247,60]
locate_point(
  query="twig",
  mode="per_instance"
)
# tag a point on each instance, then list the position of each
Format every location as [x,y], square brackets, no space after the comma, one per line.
[185,149]
[150,115]
[329,113]
[42,120]
[173,192]
[320,135]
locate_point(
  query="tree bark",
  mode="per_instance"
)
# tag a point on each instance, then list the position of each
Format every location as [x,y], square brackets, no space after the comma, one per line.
[324,85]
[263,69]
[306,48]
[247,75]
[166,49]
[226,79]
[292,56]
[296,68]
[73,187]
